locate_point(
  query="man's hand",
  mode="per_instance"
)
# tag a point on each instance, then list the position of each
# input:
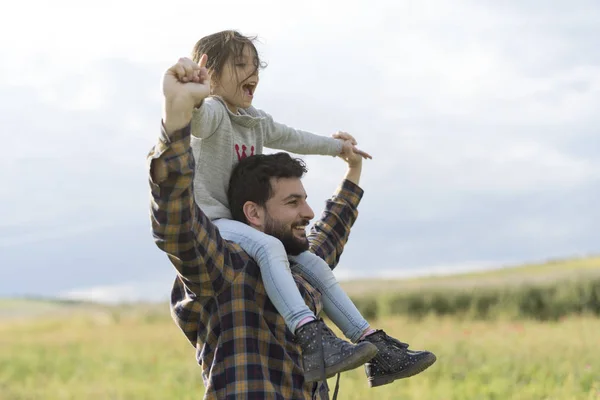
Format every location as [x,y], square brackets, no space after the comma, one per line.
[349,147]
[350,155]
[185,84]
[354,160]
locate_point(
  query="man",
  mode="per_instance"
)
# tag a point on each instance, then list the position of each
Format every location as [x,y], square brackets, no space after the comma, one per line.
[218,298]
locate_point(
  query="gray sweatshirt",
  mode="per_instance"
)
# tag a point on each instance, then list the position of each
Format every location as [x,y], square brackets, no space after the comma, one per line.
[220,139]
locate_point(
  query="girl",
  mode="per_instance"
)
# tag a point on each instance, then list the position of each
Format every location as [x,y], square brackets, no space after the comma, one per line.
[225,129]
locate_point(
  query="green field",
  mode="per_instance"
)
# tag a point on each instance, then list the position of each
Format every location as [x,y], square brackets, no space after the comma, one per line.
[78,351]
[552,271]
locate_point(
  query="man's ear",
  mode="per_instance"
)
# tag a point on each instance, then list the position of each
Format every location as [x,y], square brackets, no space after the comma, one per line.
[254,214]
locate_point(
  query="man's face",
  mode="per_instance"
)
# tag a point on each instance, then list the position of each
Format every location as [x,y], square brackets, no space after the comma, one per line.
[288,214]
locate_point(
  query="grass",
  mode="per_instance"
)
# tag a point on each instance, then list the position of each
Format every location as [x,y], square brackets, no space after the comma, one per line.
[142,355]
[69,350]
[495,360]
[544,292]
[550,271]
[104,355]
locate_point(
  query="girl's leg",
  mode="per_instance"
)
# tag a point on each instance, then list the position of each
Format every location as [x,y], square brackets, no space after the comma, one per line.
[320,360]
[272,259]
[336,302]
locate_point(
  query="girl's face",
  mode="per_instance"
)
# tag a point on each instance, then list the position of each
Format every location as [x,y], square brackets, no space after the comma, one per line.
[237,82]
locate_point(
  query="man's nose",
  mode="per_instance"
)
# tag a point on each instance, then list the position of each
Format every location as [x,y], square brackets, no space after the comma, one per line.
[307,212]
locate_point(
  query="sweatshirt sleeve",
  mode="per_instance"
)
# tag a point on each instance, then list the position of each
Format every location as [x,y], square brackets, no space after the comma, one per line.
[207,118]
[282,137]
[330,233]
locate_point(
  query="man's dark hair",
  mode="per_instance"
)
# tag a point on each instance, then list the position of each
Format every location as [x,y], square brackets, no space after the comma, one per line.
[251,179]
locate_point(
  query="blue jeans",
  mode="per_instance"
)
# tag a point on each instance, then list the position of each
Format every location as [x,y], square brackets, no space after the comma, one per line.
[272,259]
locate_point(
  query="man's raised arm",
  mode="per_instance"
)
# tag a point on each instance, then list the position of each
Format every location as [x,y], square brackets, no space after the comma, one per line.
[180,228]
[330,233]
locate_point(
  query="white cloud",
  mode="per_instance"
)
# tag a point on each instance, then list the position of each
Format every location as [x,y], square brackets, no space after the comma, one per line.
[466,106]
[15,238]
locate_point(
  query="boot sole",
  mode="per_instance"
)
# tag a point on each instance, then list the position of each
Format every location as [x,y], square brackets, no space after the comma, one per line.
[362,355]
[414,370]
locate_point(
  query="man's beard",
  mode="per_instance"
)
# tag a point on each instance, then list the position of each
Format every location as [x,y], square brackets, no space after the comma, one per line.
[293,246]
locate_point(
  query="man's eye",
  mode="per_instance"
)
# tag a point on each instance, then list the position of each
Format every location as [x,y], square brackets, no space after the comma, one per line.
[293,202]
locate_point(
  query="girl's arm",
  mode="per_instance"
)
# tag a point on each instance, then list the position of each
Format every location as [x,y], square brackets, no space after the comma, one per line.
[282,137]
[206,118]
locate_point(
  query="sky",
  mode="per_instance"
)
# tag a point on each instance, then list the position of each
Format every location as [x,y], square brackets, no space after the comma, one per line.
[481,116]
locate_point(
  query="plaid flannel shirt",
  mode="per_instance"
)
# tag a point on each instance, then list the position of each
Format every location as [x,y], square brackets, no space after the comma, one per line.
[218,299]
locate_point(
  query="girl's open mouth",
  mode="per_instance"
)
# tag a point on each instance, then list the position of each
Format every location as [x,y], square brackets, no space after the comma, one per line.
[249,89]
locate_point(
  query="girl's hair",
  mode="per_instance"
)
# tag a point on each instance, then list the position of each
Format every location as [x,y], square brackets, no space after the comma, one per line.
[222,47]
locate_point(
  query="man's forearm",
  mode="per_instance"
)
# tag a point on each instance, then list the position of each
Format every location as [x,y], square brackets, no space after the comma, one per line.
[353,174]
[179,227]
[177,114]
[329,234]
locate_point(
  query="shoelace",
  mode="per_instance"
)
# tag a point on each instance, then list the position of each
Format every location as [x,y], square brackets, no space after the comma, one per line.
[399,344]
